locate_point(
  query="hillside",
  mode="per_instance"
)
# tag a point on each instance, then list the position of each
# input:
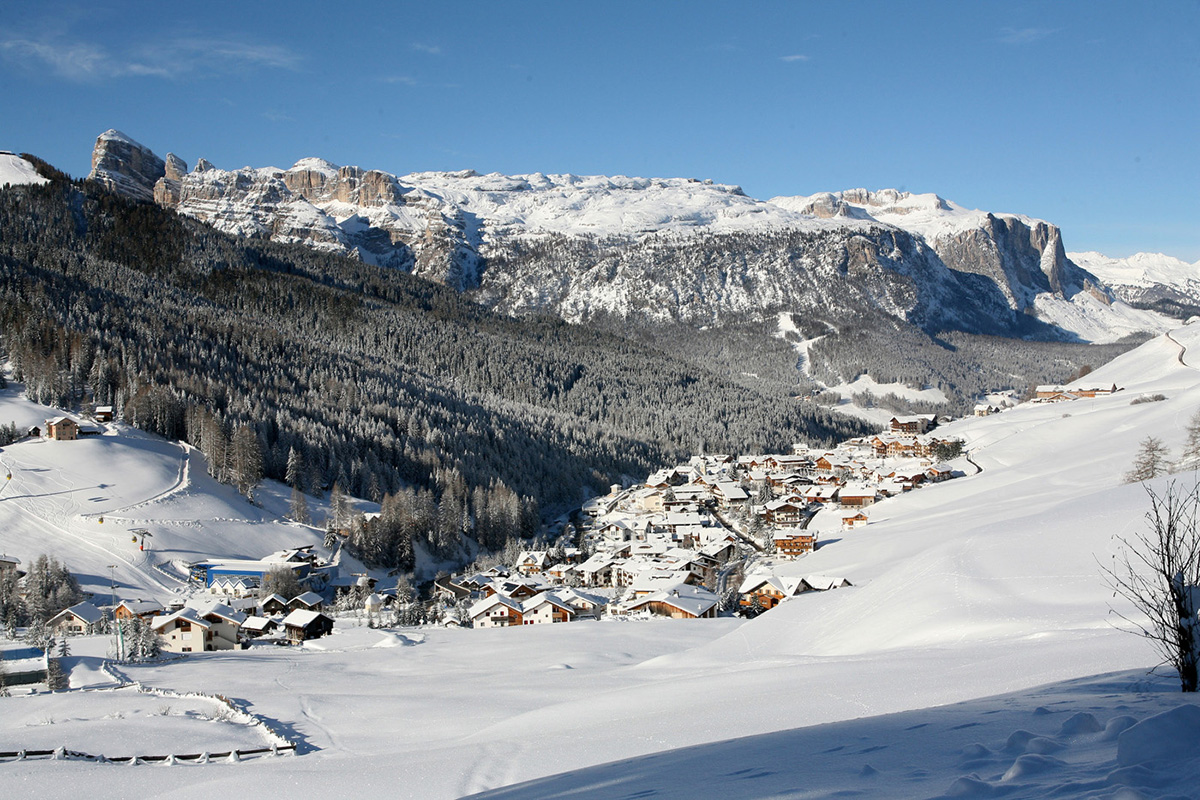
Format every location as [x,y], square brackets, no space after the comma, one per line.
[983,592]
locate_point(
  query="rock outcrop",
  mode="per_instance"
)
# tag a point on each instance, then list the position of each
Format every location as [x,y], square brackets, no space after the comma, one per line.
[125,166]
[166,189]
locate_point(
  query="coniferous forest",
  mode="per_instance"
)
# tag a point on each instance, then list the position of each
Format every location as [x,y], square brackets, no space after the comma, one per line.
[281,361]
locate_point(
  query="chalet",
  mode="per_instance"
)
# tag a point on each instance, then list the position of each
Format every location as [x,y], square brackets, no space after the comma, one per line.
[309,601]
[545,608]
[302,625]
[275,604]
[795,542]
[856,496]
[516,588]
[821,494]
[770,591]
[79,619]
[496,611]
[680,602]
[254,627]
[62,429]
[532,561]
[939,472]
[192,630]
[730,494]
[104,414]
[142,609]
[854,520]
[985,410]
[581,603]
[618,530]
[784,513]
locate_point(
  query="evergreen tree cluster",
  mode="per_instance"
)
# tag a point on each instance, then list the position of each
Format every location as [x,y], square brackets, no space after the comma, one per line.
[283,362]
[48,588]
[138,640]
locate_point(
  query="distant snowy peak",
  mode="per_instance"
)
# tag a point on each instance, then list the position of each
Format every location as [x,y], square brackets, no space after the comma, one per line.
[16,171]
[1139,269]
[1149,280]
[926,215]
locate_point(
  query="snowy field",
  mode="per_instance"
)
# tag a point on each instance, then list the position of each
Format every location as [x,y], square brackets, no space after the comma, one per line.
[975,656]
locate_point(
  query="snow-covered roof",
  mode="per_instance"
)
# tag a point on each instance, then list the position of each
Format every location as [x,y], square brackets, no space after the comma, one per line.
[823,582]
[220,610]
[543,598]
[694,600]
[308,599]
[786,585]
[301,618]
[84,611]
[488,603]
[186,614]
[140,607]
[258,624]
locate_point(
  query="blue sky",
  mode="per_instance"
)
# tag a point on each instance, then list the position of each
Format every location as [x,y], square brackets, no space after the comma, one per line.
[1083,113]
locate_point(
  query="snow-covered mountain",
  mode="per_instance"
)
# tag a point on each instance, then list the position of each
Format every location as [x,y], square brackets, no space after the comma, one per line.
[1146,279]
[654,250]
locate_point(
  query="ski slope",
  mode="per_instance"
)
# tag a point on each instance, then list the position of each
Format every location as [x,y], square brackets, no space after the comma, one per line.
[975,656]
[80,501]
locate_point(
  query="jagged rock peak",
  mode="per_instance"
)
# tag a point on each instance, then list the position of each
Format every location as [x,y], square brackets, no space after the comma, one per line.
[176,167]
[125,166]
[204,165]
[167,189]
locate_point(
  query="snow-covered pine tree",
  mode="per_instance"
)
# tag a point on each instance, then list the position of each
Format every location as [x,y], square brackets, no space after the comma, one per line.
[340,507]
[299,507]
[295,473]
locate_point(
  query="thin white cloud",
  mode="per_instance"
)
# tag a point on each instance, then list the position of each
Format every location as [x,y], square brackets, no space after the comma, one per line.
[431,49]
[173,59]
[1024,35]
[403,80]
[796,57]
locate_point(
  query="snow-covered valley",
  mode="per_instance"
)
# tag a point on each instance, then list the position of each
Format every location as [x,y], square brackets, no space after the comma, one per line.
[978,612]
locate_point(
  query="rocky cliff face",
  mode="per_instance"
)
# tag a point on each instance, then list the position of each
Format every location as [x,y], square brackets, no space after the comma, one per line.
[125,166]
[640,250]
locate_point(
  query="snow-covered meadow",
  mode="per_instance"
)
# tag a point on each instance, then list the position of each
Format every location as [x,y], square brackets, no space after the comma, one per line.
[975,655]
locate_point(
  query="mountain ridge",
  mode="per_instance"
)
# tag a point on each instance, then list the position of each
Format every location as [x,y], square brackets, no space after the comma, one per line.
[918,258]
